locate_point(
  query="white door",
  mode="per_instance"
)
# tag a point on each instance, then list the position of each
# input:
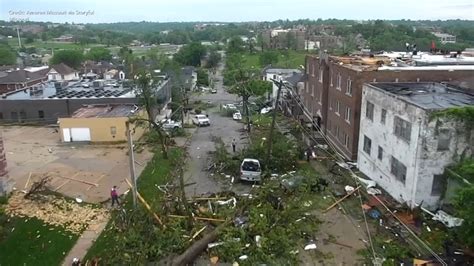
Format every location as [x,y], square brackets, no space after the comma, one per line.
[66,134]
[81,134]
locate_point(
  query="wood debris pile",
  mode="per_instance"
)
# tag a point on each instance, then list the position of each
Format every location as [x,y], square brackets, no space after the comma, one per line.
[56,211]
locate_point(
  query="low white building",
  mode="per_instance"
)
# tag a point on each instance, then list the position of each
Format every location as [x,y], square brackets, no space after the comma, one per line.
[62,72]
[403,147]
[444,37]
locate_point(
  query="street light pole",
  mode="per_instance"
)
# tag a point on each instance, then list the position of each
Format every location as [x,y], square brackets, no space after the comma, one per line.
[131,158]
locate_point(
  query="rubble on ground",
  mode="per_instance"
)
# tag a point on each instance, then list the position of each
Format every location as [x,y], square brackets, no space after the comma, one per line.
[56,211]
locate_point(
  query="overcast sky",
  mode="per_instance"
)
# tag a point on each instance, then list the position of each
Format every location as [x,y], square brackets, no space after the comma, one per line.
[232,10]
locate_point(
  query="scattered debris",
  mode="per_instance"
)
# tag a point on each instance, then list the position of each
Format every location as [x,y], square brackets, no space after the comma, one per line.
[243,257]
[56,211]
[341,199]
[349,189]
[310,246]
[373,191]
[447,219]
[257,241]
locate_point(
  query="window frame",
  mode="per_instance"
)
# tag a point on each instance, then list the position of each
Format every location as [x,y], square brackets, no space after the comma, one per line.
[394,164]
[367,147]
[347,114]
[403,129]
[371,116]
[338,81]
[383,116]
[380,153]
[349,87]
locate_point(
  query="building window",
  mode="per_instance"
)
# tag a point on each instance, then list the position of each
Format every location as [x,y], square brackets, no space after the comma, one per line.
[349,87]
[330,104]
[347,115]
[22,116]
[321,75]
[369,111]
[443,139]
[346,139]
[41,114]
[338,106]
[402,128]
[320,95]
[330,78]
[338,82]
[383,116]
[113,131]
[307,67]
[380,153]
[398,169]
[312,90]
[1,116]
[312,70]
[438,186]
[367,145]
[307,87]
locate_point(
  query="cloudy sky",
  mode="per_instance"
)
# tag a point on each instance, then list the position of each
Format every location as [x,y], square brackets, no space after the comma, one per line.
[93,11]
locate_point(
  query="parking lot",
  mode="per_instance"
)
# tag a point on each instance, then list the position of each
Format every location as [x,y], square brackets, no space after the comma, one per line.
[75,170]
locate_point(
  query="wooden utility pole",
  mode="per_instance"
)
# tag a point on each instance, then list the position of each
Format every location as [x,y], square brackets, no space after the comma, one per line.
[270,137]
[131,158]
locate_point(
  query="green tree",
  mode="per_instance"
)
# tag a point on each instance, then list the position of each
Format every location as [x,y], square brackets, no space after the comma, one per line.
[268,57]
[235,45]
[72,58]
[44,36]
[202,77]
[146,96]
[7,57]
[191,54]
[214,59]
[29,40]
[464,204]
[98,54]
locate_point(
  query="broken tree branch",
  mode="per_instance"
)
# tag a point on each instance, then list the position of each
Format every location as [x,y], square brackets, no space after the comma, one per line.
[197,218]
[341,199]
[147,206]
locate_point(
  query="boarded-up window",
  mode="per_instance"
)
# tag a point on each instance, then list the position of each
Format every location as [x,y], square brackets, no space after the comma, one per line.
[41,114]
[369,111]
[402,128]
[438,186]
[443,139]
[398,169]
[367,145]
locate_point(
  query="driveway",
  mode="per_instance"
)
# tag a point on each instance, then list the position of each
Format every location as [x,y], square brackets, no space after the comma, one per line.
[202,143]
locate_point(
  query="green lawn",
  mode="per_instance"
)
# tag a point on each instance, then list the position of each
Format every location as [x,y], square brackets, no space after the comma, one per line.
[157,171]
[50,44]
[29,241]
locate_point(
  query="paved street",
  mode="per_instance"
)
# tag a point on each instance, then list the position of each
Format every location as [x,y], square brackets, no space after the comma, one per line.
[202,143]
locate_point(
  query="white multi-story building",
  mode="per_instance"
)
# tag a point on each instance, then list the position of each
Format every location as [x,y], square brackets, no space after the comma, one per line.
[403,147]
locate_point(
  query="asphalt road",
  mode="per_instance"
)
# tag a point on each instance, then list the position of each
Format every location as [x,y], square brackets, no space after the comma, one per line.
[202,143]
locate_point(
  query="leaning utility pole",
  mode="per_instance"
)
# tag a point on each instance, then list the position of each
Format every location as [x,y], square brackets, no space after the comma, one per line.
[19,39]
[270,137]
[131,158]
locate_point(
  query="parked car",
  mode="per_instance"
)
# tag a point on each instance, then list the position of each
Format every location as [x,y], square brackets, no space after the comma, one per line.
[85,85]
[237,116]
[205,89]
[169,124]
[213,90]
[229,106]
[201,120]
[250,170]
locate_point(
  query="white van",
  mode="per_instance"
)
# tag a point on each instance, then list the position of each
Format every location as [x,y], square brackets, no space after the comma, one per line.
[250,170]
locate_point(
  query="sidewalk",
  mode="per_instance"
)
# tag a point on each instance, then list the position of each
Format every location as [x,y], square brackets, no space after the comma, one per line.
[85,241]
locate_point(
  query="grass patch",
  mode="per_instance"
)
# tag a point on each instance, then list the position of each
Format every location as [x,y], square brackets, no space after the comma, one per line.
[112,241]
[20,244]
[38,44]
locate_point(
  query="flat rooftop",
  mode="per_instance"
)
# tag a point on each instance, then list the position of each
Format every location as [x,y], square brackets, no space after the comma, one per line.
[427,95]
[73,90]
[101,111]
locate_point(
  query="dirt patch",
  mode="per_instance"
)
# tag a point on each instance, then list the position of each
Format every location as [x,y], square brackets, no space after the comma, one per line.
[76,170]
[57,211]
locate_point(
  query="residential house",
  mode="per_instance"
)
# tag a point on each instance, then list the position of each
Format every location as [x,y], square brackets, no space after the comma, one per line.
[280,74]
[12,80]
[65,38]
[333,90]
[100,123]
[62,72]
[403,147]
[99,68]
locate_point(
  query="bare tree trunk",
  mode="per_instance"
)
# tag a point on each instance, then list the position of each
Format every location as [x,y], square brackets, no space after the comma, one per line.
[195,249]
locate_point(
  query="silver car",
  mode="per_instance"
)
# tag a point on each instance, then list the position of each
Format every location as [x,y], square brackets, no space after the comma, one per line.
[250,170]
